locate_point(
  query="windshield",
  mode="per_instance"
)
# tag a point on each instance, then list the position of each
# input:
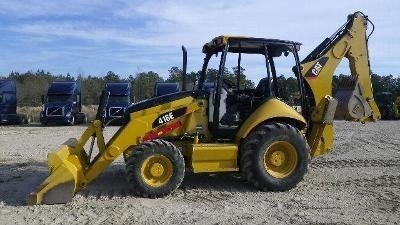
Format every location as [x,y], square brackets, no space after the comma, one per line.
[7,98]
[59,98]
[118,99]
[267,73]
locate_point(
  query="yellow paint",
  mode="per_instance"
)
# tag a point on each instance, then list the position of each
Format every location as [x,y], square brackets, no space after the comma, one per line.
[69,163]
[222,40]
[280,159]
[141,123]
[64,167]
[214,157]
[156,170]
[353,47]
[271,109]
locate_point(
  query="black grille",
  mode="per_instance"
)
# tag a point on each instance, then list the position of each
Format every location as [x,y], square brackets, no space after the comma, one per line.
[116,112]
[54,111]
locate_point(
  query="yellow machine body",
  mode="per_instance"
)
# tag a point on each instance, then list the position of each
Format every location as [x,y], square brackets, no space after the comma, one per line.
[72,169]
[69,171]
[214,157]
[281,112]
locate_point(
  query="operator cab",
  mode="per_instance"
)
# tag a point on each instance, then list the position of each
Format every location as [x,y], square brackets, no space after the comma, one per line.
[231,99]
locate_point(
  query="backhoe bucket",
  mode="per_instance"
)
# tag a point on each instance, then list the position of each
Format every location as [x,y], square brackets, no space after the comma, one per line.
[352,104]
[65,174]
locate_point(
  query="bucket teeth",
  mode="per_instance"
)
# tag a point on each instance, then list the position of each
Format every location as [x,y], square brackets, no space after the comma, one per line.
[59,194]
[59,187]
[65,174]
[348,82]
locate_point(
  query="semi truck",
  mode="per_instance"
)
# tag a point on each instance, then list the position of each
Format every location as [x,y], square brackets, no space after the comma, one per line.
[8,104]
[119,99]
[63,104]
[164,88]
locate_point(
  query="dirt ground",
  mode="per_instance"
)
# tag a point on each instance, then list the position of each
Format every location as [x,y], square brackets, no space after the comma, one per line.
[357,183]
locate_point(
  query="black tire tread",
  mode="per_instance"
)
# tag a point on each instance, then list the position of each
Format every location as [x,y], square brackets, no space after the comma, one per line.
[251,145]
[141,152]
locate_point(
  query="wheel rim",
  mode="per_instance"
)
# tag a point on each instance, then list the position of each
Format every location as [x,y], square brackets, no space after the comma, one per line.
[280,159]
[156,170]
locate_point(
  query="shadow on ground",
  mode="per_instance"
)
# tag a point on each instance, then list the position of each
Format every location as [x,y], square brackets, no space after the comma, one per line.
[17,180]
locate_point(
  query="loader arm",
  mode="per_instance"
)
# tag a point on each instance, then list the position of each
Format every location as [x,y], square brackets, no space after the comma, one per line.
[354,98]
[72,169]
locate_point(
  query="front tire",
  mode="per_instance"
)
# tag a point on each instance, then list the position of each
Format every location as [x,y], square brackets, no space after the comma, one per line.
[274,157]
[72,122]
[155,168]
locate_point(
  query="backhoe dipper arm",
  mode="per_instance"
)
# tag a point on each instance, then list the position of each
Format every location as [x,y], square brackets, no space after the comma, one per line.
[354,97]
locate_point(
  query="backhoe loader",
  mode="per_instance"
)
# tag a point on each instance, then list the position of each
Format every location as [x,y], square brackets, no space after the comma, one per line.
[227,128]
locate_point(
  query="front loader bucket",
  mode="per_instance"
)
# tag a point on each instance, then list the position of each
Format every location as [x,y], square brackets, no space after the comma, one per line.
[65,174]
[352,104]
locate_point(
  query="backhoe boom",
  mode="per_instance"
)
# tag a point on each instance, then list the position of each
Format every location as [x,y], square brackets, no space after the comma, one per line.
[354,95]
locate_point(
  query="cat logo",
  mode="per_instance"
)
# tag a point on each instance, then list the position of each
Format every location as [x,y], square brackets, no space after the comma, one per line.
[316,69]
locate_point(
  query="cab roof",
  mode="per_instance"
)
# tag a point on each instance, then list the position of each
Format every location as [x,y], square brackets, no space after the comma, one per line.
[249,45]
[7,86]
[118,88]
[63,88]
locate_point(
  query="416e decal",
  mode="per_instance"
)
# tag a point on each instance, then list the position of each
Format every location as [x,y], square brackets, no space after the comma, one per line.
[168,116]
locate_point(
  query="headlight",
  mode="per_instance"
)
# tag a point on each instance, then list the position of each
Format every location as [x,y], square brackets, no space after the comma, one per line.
[68,114]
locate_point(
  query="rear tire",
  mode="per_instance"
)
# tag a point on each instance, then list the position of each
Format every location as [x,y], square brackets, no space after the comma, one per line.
[80,118]
[155,168]
[85,120]
[274,157]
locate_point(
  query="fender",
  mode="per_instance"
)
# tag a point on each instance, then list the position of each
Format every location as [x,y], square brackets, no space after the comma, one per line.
[270,109]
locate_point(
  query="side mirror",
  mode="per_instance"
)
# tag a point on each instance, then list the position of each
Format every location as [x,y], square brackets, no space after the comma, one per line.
[102,105]
[42,97]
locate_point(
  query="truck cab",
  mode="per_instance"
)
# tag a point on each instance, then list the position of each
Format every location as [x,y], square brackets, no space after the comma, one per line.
[164,88]
[119,99]
[62,105]
[8,104]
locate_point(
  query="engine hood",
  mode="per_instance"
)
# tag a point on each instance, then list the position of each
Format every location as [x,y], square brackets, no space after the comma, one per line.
[119,104]
[67,106]
[164,99]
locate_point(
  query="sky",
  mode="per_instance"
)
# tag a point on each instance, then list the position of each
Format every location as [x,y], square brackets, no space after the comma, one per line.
[93,37]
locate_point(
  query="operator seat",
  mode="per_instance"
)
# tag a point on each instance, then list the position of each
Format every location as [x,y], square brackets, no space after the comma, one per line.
[263,89]
[228,107]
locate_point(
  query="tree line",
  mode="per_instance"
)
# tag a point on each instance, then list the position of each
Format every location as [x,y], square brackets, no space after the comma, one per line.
[32,85]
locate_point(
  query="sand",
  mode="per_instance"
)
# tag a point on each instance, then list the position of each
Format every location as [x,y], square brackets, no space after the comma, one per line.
[358,182]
